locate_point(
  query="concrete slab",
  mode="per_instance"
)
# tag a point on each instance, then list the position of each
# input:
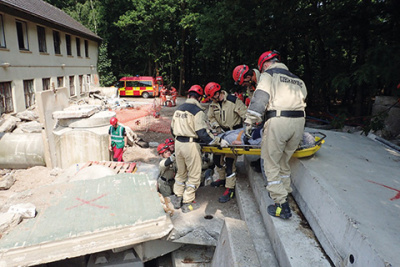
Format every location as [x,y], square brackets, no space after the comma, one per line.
[77,111]
[86,217]
[193,256]
[203,226]
[235,247]
[350,194]
[292,243]
[250,213]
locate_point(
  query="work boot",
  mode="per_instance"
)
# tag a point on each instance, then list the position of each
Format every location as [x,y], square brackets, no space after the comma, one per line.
[228,195]
[176,201]
[218,183]
[280,210]
[187,207]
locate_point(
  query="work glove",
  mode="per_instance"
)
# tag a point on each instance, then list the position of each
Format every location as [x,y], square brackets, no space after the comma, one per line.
[224,143]
[248,130]
[172,157]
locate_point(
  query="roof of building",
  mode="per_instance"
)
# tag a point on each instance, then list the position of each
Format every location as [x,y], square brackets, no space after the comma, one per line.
[40,11]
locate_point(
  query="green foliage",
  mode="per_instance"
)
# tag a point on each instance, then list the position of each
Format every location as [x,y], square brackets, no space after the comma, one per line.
[338,121]
[376,123]
[346,51]
[104,67]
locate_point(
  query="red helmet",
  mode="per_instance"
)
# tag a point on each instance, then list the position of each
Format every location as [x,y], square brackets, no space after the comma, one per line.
[113,121]
[169,141]
[197,89]
[267,56]
[211,88]
[162,148]
[239,72]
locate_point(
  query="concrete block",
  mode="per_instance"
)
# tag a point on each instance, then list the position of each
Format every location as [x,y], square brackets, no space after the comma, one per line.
[107,258]
[293,247]
[235,247]
[98,119]
[251,214]
[26,210]
[8,220]
[81,111]
[154,249]
[193,256]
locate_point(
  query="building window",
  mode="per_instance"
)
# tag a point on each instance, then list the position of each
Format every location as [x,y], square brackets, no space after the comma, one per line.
[60,82]
[57,42]
[41,33]
[2,36]
[22,34]
[78,47]
[80,84]
[46,84]
[71,86]
[6,101]
[68,43]
[29,93]
[86,48]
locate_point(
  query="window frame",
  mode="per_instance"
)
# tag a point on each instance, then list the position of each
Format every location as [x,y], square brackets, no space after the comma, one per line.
[22,35]
[6,97]
[3,43]
[57,42]
[29,93]
[41,33]
[86,48]
[46,84]
[78,46]
[68,44]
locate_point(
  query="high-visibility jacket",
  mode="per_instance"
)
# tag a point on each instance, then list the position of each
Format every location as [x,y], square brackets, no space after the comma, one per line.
[117,136]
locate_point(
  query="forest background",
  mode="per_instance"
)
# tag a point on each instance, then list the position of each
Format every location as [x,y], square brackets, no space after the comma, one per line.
[346,51]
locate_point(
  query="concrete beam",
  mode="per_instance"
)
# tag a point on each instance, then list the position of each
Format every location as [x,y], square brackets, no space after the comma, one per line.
[235,247]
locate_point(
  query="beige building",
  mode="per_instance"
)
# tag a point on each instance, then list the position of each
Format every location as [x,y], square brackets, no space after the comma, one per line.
[42,48]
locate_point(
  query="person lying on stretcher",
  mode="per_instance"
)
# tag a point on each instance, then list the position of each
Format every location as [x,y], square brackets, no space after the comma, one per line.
[237,137]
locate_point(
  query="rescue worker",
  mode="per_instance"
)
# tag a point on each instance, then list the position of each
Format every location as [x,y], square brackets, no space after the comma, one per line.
[171,144]
[280,94]
[246,77]
[163,95]
[117,140]
[167,166]
[226,112]
[174,94]
[189,128]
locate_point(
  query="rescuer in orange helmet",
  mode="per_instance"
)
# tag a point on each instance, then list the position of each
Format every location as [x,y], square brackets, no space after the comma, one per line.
[167,166]
[246,77]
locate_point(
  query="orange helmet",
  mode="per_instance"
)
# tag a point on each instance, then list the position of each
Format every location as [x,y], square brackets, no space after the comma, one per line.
[169,141]
[197,89]
[162,148]
[211,88]
[113,121]
[239,72]
[267,56]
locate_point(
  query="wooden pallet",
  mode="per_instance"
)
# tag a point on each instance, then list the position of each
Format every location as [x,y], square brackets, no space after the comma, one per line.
[118,167]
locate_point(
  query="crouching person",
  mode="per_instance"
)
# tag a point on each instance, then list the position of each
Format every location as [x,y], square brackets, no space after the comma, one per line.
[165,181]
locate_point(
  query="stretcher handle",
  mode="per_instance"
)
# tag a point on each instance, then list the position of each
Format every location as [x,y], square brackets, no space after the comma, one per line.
[320,140]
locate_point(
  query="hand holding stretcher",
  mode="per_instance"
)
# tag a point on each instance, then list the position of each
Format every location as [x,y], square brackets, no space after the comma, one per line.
[305,149]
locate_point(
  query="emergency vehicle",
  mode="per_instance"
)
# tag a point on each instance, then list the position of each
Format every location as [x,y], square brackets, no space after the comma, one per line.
[145,86]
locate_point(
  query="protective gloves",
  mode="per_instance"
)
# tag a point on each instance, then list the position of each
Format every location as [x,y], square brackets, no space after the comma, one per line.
[248,130]
[224,143]
[172,157]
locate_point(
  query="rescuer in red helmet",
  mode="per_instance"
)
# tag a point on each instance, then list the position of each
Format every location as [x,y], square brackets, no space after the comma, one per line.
[280,98]
[225,113]
[248,78]
[189,128]
[167,166]
[117,141]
